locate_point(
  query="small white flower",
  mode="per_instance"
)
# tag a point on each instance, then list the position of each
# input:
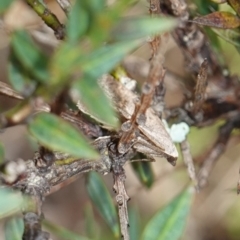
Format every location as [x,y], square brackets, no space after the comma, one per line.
[178,132]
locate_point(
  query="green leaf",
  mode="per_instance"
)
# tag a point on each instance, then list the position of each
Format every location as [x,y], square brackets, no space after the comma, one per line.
[96,6]
[169,222]
[1,153]
[230,35]
[224,20]
[30,56]
[14,229]
[11,202]
[70,59]
[138,27]
[56,134]
[134,223]
[105,59]
[4,5]
[78,22]
[93,97]
[19,77]
[63,63]
[206,6]
[61,232]
[103,202]
[103,19]
[144,173]
[91,226]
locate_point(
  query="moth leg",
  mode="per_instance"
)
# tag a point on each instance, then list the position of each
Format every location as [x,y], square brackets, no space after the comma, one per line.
[142,160]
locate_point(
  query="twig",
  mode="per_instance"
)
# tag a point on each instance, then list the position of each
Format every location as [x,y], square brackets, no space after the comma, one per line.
[16,115]
[65,5]
[87,128]
[200,89]
[187,158]
[33,228]
[33,216]
[122,199]
[238,184]
[44,176]
[217,150]
[45,38]
[49,18]
[40,177]
[6,90]
[158,47]
[155,78]
[193,42]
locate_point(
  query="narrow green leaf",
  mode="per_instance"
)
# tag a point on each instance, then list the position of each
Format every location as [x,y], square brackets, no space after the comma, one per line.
[103,19]
[10,202]
[78,22]
[224,20]
[56,134]
[230,35]
[104,59]
[19,77]
[144,173]
[91,226]
[61,232]
[205,7]
[4,5]
[169,222]
[133,28]
[134,224]
[14,229]
[64,61]
[103,202]
[96,6]
[70,59]
[1,153]
[93,97]
[30,56]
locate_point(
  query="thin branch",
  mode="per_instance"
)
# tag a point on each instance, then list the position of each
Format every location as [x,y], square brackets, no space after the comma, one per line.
[187,158]
[217,150]
[238,184]
[48,17]
[87,128]
[65,5]
[33,227]
[155,78]
[6,90]
[16,115]
[122,199]
[45,37]
[43,176]
[33,214]
[199,95]
[194,44]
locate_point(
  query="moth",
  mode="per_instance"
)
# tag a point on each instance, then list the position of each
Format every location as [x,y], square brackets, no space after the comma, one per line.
[141,132]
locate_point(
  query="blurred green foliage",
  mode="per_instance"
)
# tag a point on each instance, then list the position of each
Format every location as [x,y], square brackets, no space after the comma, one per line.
[96,39]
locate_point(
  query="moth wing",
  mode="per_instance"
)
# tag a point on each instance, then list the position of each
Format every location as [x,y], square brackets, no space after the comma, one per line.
[122,98]
[155,131]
